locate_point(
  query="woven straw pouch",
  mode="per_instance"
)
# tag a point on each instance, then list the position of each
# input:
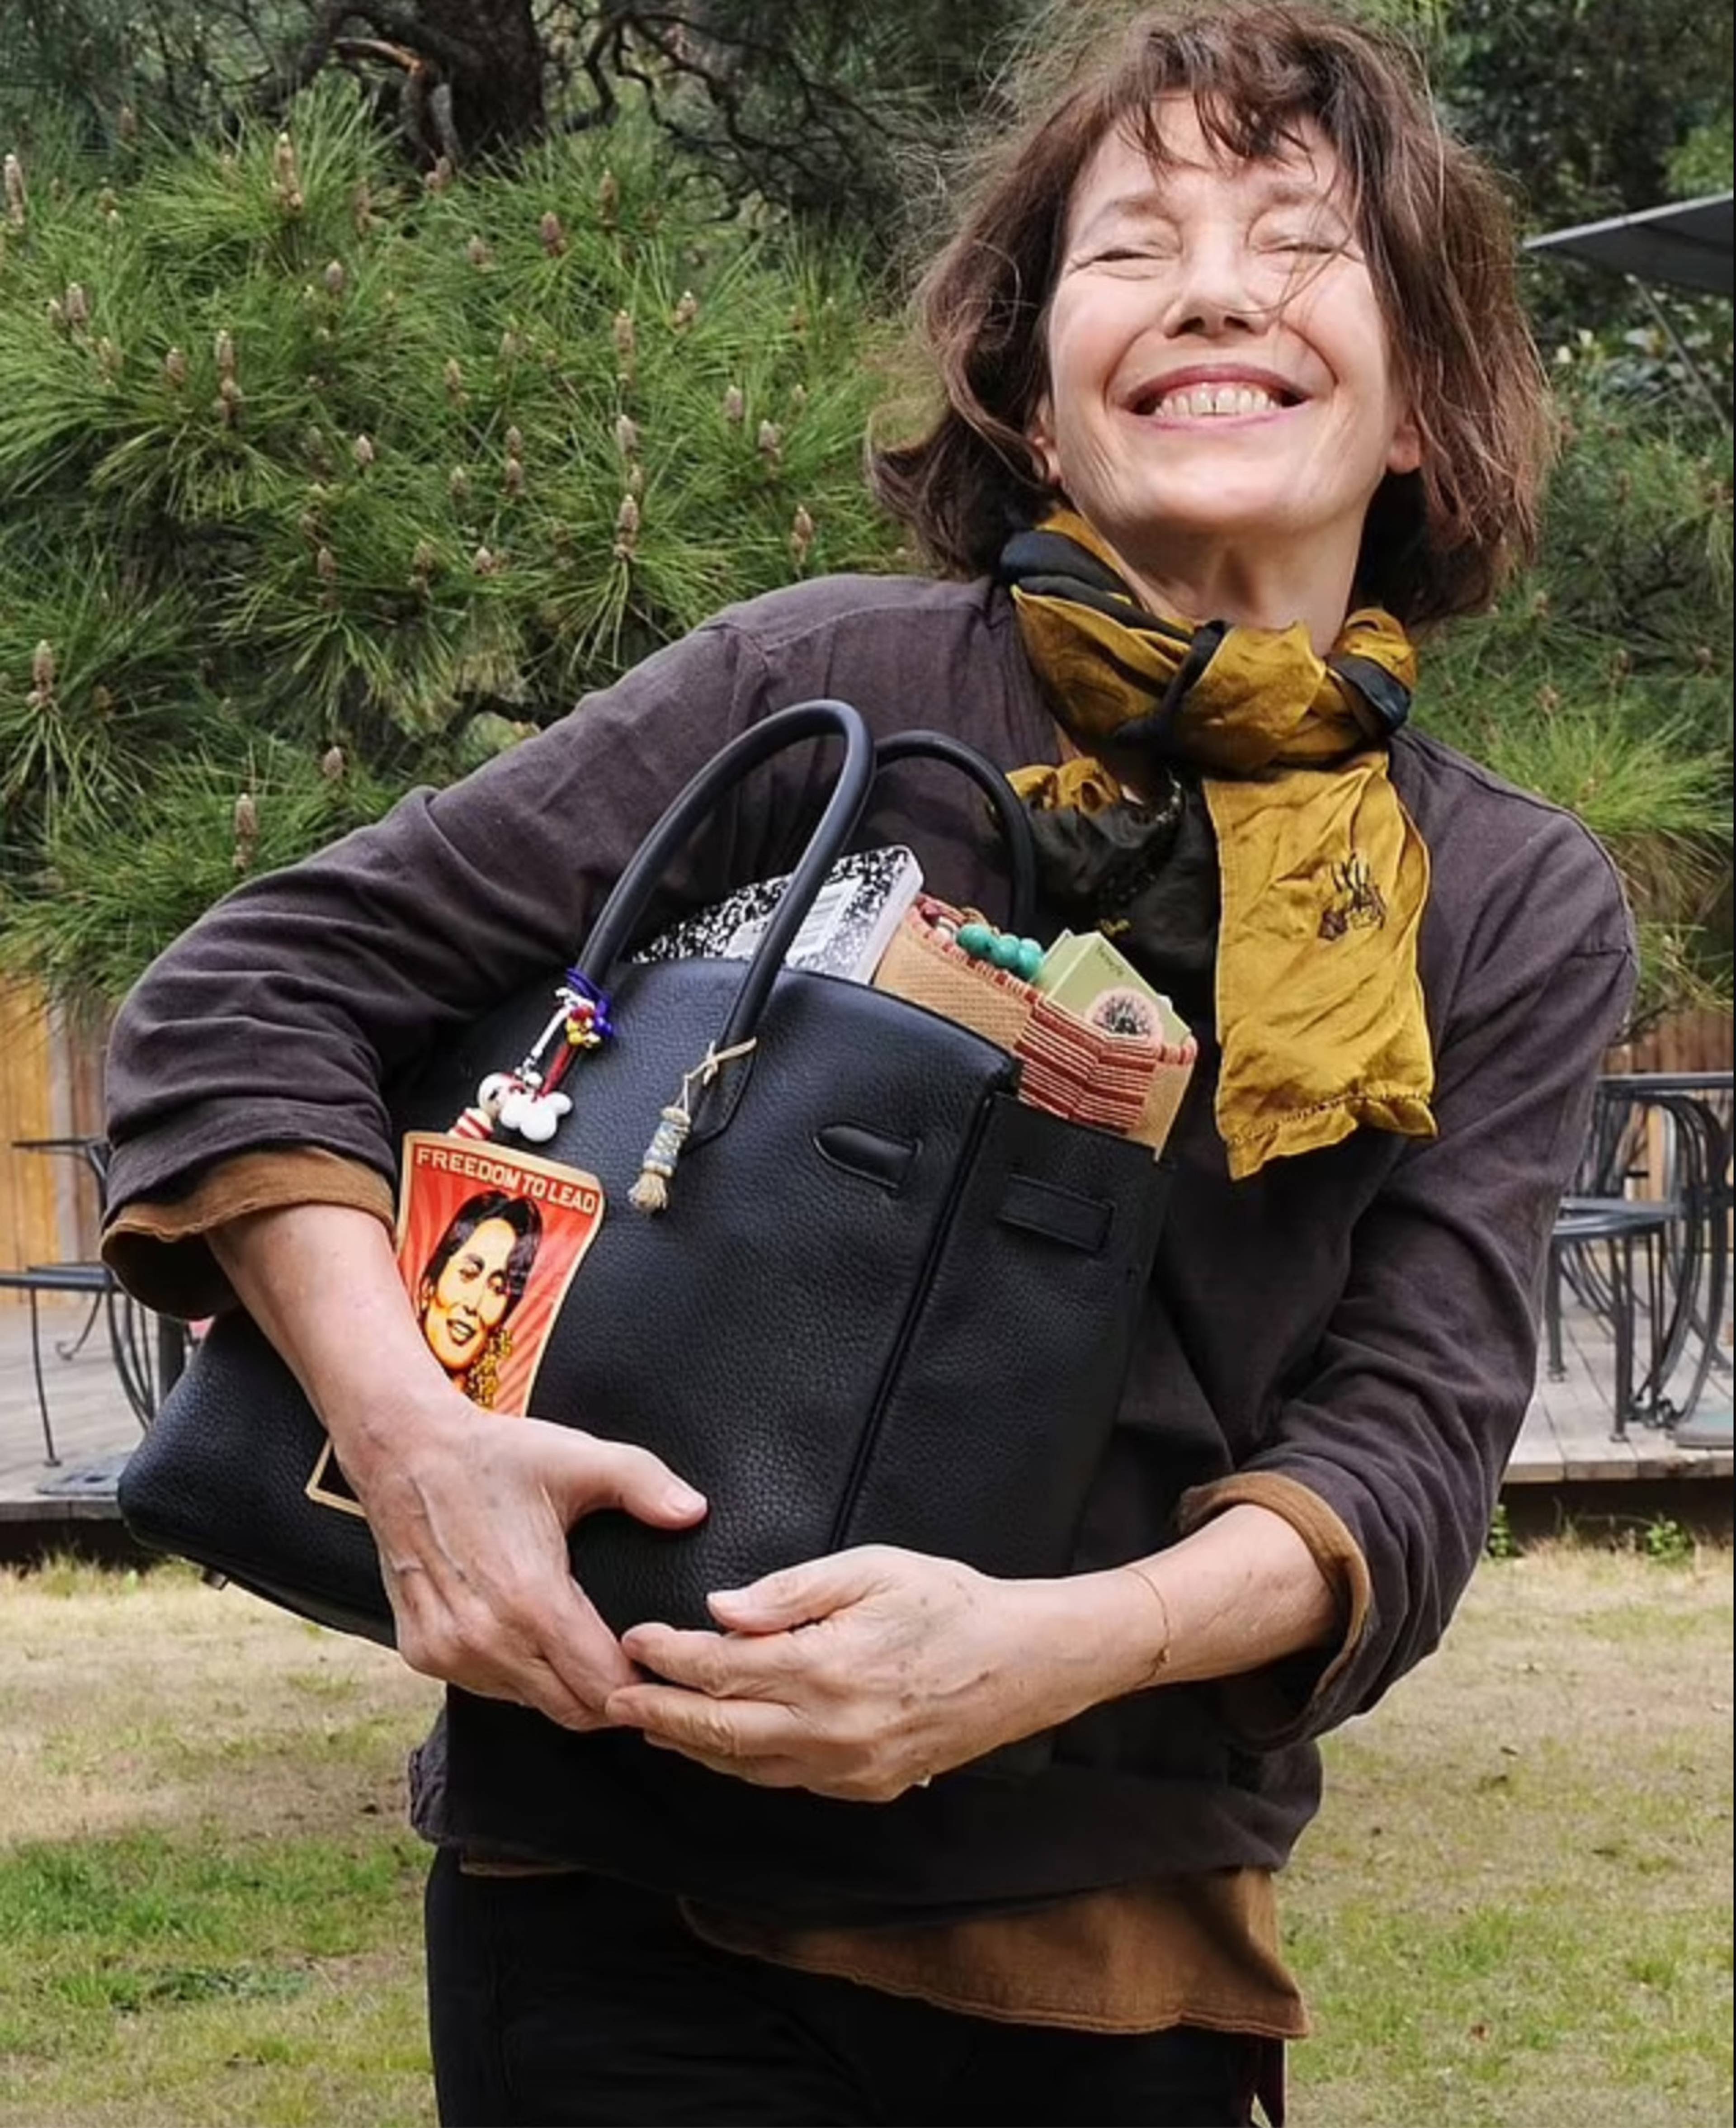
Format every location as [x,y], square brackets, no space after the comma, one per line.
[929,970]
[1116,1082]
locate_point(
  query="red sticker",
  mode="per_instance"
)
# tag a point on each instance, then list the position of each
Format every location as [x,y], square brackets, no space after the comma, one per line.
[488,1241]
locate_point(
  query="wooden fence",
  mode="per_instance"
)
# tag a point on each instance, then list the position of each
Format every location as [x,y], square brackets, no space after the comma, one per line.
[50,1087]
[1691,1042]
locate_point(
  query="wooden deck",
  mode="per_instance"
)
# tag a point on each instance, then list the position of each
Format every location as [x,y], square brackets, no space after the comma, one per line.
[1567,1438]
[93,1425]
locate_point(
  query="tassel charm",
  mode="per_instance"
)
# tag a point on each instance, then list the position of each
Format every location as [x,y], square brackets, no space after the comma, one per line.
[657,1170]
[649,1194]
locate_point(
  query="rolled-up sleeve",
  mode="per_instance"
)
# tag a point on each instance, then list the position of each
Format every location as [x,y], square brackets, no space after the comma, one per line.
[1417,1391]
[161,1250]
[280,1019]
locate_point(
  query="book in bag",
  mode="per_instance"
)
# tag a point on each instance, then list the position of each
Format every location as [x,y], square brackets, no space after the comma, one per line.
[858,909]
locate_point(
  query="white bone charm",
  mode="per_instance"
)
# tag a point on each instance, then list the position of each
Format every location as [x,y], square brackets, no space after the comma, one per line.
[535,1117]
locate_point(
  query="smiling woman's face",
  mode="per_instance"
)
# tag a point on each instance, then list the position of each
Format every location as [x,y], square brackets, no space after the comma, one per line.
[1219,370]
[470,1296]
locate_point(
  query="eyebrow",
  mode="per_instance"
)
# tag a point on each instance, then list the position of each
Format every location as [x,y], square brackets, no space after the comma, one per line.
[1282,192]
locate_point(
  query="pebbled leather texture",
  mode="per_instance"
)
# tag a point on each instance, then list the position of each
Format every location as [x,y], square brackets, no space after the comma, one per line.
[829,1361]
[921,1343]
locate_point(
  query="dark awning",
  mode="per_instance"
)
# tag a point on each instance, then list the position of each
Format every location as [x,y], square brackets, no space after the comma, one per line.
[1687,245]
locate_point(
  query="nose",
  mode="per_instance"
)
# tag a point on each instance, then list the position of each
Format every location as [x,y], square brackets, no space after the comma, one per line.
[1213,293]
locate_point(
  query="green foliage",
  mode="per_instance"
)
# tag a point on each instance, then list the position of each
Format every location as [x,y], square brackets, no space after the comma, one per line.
[821,107]
[321,481]
[1593,108]
[1602,679]
[1665,1542]
[836,113]
[1585,101]
[1501,1542]
[1703,162]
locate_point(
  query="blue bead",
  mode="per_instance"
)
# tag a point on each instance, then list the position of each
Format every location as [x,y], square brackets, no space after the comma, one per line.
[1003,950]
[975,939]
[1030,959]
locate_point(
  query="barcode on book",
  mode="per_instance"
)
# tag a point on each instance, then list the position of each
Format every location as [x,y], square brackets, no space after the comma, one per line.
[859,906]
[829,907]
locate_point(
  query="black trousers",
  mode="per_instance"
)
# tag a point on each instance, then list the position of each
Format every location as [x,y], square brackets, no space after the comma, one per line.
[574,2001]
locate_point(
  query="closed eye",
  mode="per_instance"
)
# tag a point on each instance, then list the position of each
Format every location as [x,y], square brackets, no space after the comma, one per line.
[1295,240]
[1125,258]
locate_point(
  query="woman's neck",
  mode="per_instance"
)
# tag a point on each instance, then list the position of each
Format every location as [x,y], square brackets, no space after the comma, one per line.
[1274,589]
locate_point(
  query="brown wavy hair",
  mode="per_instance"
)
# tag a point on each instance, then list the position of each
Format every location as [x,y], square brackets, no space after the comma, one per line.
[1430,219]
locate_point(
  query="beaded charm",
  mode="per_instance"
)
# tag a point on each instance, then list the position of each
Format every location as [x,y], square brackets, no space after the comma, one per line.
[474,1123]
[656,1169]
[1018,956]
[526,1101]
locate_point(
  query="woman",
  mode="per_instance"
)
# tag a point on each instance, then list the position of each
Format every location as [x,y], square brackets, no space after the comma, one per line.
[1237,391]
[474,1278]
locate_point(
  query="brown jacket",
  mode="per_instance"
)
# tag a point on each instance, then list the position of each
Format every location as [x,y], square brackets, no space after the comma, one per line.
[1349,1338]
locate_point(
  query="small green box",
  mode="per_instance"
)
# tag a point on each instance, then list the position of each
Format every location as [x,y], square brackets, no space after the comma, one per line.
[1080,967]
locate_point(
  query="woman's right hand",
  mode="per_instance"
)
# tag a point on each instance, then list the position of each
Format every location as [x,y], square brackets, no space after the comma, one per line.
[469,1508]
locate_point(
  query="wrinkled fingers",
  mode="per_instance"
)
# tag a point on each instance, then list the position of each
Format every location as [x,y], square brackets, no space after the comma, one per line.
[725,1665]
[721,1728]
[557,1656]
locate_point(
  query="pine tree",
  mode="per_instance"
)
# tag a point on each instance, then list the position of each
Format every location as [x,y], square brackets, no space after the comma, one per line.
[321,480]
[1602,680]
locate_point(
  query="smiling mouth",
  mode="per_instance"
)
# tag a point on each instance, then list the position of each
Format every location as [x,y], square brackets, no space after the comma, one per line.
[1213,402]
[460,1332]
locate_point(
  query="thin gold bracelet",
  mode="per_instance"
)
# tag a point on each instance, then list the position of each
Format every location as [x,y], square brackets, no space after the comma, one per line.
[1160,1661]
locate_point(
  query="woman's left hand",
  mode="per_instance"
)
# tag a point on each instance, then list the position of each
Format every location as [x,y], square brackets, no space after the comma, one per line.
[863,1674]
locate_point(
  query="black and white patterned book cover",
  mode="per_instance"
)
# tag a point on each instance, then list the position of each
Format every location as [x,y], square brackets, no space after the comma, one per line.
[850,926]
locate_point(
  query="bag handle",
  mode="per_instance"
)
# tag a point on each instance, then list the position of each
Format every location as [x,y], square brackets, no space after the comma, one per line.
[1010,816]
[621,912]
[613,929]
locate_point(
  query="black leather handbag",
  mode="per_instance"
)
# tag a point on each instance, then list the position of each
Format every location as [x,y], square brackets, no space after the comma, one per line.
[887,1303]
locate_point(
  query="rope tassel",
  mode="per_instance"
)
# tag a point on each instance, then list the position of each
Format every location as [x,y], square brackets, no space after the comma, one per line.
[657,1170]
[649,1194]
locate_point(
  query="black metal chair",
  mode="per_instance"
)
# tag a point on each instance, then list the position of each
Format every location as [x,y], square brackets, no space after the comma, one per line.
[143,1360]
[1670,1131]
[1592,1248]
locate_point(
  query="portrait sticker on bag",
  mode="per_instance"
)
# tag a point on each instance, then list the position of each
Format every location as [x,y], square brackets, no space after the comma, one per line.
[488,1240]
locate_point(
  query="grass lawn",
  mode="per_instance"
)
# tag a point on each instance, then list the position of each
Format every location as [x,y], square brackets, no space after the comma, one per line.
[208,1902]
[1514,1909]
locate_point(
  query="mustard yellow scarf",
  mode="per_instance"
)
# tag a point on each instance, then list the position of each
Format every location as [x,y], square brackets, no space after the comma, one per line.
[1322,879]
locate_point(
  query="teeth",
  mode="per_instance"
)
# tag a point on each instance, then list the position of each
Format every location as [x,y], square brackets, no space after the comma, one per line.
[1204,401]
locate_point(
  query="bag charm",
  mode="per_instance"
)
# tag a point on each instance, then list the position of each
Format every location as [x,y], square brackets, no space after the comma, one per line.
[527,1101]
[656,1169]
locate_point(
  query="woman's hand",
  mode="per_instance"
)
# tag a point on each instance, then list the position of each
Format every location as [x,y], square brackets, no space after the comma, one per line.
[469,1508]
[470,1512]
[864,1674]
